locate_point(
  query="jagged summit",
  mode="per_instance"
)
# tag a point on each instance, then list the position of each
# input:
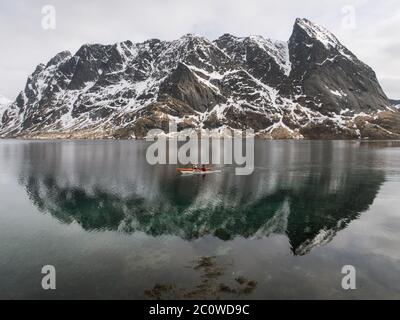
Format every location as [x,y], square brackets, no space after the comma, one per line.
[240,49]
[310,86]
[317,32]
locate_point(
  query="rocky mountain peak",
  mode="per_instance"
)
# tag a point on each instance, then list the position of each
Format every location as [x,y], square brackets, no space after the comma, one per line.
[266,59]
[191,41]
[317,32]
[317,38]
[59,58]
[308,87]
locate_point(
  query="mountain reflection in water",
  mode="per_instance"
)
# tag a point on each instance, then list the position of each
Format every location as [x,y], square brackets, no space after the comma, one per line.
[306,190]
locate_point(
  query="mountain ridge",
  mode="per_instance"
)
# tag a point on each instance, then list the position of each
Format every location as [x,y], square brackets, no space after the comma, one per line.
[395,103]
[310,86]
[4,103]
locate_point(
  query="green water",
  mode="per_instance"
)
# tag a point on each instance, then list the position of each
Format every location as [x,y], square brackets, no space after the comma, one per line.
[115,227]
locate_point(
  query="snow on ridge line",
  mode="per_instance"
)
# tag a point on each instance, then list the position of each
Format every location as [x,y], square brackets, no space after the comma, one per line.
[323,35]
[155,70]
[278,50]
[318,32]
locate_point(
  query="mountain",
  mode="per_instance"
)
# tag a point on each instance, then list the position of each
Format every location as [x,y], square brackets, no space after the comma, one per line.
[308,87]
[396,103]
[4,103]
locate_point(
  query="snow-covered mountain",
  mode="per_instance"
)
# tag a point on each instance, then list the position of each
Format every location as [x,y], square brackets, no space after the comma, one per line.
[396,103]
[310,86]
[4,104]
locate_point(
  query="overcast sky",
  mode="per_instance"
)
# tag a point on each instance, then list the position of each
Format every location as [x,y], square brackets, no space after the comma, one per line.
[374,37]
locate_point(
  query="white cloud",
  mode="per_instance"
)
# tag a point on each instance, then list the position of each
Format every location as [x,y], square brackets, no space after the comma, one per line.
[25,43]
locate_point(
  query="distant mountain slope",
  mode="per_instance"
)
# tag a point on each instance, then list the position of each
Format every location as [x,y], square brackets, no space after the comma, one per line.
[4,104]
[309,87]
[396,103]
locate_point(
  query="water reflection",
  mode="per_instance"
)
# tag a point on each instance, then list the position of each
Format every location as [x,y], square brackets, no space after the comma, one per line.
[308,191]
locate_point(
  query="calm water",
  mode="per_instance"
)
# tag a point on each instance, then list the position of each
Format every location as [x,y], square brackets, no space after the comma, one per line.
[116,227]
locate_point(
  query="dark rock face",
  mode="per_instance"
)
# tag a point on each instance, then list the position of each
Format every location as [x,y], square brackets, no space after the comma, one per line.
[90,60]
[311,87]
[185,86]
[329,74]
[264,59]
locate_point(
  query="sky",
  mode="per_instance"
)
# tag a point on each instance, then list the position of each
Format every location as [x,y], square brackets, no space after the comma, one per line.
[370,29]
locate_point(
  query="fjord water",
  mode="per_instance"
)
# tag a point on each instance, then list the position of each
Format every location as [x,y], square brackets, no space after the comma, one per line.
[114,226]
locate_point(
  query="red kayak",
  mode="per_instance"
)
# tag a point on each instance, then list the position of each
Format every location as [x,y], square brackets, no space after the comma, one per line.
[191,170]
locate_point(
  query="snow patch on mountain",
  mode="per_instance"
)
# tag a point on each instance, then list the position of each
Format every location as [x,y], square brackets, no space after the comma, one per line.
[4,104]
[278,50]
[395,103]
[277,88]
[324,36]
[319,33]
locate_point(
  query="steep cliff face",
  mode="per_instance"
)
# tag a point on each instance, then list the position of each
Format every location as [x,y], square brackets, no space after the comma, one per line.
[309,87]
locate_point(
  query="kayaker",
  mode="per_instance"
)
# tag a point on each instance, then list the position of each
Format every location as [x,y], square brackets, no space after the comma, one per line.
[203,167]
